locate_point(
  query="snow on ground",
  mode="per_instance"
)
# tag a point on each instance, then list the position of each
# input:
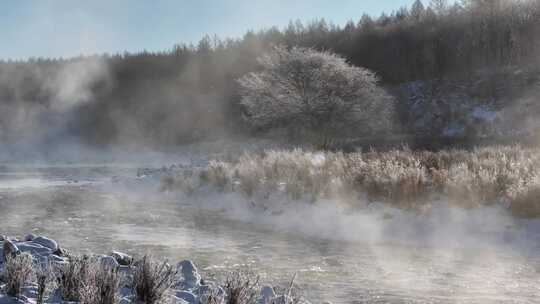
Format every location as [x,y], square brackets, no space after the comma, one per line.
[188,288]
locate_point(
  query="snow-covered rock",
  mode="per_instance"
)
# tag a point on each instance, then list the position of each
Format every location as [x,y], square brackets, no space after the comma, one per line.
[109,261]
[210,288]
[190,274]
[29,237]
[56,259]
[49,243]
[177,300]
[122,258]
[9,249]
[5,299]
[187,296]
[125,300]
[191,290]
[34,248]
[283,299]
[41,248]
[267,294]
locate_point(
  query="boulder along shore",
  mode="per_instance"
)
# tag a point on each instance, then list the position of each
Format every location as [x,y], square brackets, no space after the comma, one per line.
[133,280]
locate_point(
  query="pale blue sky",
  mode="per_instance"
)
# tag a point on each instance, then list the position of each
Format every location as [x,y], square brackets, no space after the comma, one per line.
[54,28]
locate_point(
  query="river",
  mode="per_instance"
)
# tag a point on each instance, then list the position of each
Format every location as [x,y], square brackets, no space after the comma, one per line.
[408,261]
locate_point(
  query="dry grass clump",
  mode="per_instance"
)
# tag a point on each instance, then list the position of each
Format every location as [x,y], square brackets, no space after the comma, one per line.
[183,181]
[240,288]
[151,280]
[100,285]
[524,198]
[213,296]
[46,281]
[395,176]
[404,178]
[72,277]
[243,288]
[84,279]
[217,174]
[18,272]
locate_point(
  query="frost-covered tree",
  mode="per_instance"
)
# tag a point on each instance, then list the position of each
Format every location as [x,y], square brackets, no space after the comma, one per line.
[417,10]
[317,92]
[439,6]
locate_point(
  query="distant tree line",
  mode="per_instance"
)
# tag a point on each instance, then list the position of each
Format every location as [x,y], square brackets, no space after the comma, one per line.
[191,91]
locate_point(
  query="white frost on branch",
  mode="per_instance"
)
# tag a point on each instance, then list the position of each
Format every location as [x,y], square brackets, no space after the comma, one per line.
[318,91]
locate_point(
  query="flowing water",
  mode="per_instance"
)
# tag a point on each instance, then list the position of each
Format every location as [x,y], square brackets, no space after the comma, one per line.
[79,207]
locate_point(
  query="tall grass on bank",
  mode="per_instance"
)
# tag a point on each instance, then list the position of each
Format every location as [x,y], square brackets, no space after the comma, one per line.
[45,280]
[72,277]
[242,287]
[90,281]
[152,280]
[407,179]
[100,285]
[18,273]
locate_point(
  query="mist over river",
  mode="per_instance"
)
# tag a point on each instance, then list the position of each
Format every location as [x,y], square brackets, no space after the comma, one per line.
[375,255]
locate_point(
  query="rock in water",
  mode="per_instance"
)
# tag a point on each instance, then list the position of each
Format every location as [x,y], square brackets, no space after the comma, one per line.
[122,258]
[9,249]
[192,278]
[49,243]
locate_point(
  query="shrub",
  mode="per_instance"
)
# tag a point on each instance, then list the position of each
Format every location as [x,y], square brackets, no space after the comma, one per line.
[403,178]
[240,288]
[101,285]
[73,276]
[214,295]
[217,174]
[18,272]
[151,280]
[46,281]
[289,295]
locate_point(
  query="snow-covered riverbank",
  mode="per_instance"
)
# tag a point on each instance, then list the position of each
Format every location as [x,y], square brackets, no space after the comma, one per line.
[186,283]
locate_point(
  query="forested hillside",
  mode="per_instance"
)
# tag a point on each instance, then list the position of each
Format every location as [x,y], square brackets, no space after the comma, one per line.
[190,92]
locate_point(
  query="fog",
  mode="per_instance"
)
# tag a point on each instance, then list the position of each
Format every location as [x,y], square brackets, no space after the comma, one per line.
[190,93]
[86,144]
[376,253]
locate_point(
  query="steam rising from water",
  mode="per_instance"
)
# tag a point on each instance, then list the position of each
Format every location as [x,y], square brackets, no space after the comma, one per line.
[73,84]
[443,226]
[444,255]
[381,253]
[34,129]
[371,254]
